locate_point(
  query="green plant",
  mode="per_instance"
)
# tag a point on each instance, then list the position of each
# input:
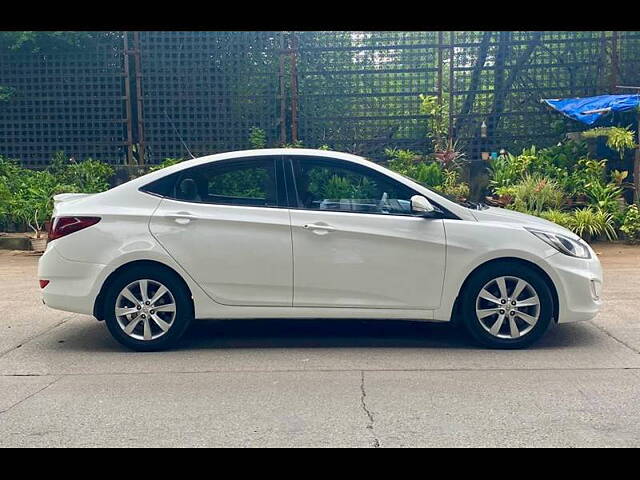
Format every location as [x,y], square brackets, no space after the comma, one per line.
[564,155]
[452,185]
[32,201]
[417,167]
[508,169]
[564,219]
[429,174]
[257,138]
[438,122]
[618,177]
[631,224]
[449,155]
[167,162]
[606,197]
[5,198]
[536,194]
[618,138]
[88,176]
[590,224]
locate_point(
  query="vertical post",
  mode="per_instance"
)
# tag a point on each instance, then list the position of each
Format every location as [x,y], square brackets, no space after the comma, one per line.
[615,62]
[636,165]
[283,101]
[294,87]
[138,76]
[451,82]
[127,98]
[440,66]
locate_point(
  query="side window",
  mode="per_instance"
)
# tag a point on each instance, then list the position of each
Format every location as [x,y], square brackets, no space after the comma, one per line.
[326,184]
[236,182]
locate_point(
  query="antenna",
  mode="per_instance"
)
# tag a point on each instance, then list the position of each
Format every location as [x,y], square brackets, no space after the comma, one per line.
[178,133]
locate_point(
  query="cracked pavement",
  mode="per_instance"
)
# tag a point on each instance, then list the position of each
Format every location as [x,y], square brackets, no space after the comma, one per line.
[295,383]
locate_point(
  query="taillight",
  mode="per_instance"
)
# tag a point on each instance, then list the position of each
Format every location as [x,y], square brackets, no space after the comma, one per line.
[44,283]
[63,226]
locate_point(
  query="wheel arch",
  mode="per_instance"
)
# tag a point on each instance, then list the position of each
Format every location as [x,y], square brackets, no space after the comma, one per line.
[511,261]
[98,306]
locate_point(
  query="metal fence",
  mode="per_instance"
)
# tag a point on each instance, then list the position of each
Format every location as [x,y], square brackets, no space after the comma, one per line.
[211,88]
[140,97]
[71,100]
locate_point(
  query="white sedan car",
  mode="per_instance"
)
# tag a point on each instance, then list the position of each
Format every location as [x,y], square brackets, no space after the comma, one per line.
[296,233]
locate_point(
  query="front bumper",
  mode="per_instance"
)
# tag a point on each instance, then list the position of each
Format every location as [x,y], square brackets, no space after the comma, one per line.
[73,286]
[579,285]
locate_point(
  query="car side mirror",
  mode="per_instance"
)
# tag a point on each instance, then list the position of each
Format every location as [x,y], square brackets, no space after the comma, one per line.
[421,206]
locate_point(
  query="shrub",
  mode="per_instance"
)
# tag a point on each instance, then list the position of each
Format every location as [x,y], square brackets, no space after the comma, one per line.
[32,201]
[506,170]
[631,224]
[26,196]
[591,224]
[88,176]
[257,138]
[536,194]
[564,219]
[453,187]
[432,174]
[606,197]
[415,166]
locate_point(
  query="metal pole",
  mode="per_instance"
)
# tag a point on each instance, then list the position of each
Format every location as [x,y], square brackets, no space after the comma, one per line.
[615,65]
[127,97]
[283,101]
[451,83]
[636,165]
[294,88]
[440,43]
[138,70]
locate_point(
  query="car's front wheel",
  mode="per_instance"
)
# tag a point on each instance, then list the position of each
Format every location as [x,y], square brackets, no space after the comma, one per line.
[507,305]
[147,308]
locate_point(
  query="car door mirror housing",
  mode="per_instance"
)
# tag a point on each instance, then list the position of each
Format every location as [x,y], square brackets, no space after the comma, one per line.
[421,206]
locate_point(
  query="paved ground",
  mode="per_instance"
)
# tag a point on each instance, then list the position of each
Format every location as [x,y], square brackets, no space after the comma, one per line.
[65,382]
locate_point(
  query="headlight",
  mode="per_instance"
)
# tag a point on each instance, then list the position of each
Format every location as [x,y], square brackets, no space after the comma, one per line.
[562,243]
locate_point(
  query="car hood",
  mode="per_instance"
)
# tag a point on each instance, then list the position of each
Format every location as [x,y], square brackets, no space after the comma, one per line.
[496,214]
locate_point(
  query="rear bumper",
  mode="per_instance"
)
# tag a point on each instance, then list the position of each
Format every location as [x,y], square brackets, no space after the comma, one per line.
[579,285]
[73,286]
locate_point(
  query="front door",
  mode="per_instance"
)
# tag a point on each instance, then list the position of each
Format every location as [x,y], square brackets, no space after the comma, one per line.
[356,243]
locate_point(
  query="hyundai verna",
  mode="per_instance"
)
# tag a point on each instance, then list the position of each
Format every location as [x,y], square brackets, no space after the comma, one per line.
[296,233]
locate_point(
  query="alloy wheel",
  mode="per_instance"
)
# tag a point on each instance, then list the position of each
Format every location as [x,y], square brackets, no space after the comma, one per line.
[145,309]
[508,307]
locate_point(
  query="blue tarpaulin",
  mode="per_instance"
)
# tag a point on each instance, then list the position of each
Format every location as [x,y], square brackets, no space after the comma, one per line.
[590,109]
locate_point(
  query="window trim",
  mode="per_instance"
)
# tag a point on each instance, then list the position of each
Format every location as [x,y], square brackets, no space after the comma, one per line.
[278,177]
[296,204]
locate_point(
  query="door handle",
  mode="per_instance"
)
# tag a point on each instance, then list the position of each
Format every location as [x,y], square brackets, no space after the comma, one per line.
[181,217]
[318,227]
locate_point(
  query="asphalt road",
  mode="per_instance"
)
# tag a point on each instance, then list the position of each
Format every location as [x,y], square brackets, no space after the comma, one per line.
[65,382]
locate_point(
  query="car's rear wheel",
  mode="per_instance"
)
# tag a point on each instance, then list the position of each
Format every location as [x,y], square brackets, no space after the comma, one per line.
[507,305]
[147,308]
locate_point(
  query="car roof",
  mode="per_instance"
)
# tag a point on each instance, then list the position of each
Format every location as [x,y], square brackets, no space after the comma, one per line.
[150,177]
[153,176]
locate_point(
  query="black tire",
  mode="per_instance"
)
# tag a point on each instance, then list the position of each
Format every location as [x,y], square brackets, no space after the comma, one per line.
[183,308]
[506,269]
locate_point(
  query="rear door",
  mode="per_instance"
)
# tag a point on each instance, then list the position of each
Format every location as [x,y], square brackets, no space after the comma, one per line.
[227,224]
